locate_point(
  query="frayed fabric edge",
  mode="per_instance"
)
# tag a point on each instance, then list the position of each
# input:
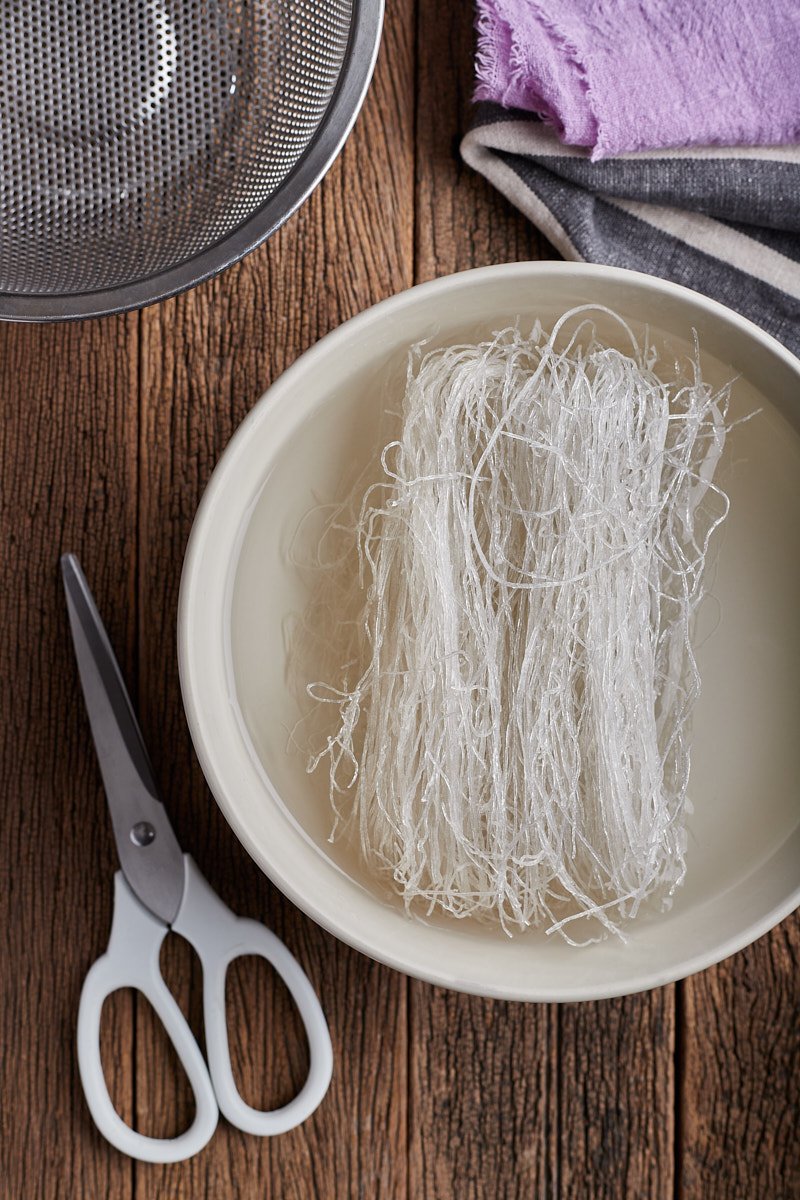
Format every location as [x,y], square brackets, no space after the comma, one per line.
[495,25]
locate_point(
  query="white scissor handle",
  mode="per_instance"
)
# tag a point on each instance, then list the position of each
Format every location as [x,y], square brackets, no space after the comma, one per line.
[219,937]
[132,961]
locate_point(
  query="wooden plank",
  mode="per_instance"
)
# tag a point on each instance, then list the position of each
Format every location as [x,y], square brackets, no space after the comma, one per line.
[461,221]
[482,1105]
[68,462]
[740,1093]
[592,1125]
[206,358]
[503,1100]
[615,1073]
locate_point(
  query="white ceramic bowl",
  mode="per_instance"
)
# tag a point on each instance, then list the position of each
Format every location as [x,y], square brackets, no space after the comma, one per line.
[317,421]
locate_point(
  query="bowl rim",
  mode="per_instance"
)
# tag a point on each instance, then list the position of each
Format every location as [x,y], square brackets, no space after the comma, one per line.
[201,727]
[316,160]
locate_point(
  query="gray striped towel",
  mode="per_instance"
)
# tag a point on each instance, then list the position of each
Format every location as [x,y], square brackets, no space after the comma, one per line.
[724,221]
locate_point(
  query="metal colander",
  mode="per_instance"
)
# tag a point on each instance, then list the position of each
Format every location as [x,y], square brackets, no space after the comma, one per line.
[147,144]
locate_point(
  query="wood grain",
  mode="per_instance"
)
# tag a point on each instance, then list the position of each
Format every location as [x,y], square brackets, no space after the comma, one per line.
[461,221]
[206,358]
[481,1110]
[592,1125]
[740,1110]
[616,1098]
[110,431]
[68,453]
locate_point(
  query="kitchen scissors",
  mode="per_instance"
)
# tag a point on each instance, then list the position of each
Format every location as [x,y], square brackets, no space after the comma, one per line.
[160,888]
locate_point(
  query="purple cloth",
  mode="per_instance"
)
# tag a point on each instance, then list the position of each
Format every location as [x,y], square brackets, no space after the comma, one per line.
[624,75]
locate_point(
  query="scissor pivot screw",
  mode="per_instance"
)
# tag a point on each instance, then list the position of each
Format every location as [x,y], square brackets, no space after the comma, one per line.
[143,833]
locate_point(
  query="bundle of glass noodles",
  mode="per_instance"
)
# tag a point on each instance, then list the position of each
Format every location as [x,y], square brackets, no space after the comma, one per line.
[513,744]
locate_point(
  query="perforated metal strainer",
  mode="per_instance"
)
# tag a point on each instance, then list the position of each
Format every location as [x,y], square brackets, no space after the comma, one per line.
[147,144]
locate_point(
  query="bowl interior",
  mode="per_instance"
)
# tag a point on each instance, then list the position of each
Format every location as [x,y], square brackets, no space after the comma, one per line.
[304,444]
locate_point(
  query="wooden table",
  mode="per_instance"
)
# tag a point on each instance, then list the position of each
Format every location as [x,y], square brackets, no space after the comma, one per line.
[110,431]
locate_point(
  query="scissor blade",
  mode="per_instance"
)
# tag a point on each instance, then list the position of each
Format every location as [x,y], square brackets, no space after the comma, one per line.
[149,854]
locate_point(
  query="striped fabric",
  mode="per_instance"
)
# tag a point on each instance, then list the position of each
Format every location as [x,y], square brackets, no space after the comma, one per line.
[724,221]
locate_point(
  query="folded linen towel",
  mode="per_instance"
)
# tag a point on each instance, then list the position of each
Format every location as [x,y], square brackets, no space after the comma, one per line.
[725,222]
[625,75]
